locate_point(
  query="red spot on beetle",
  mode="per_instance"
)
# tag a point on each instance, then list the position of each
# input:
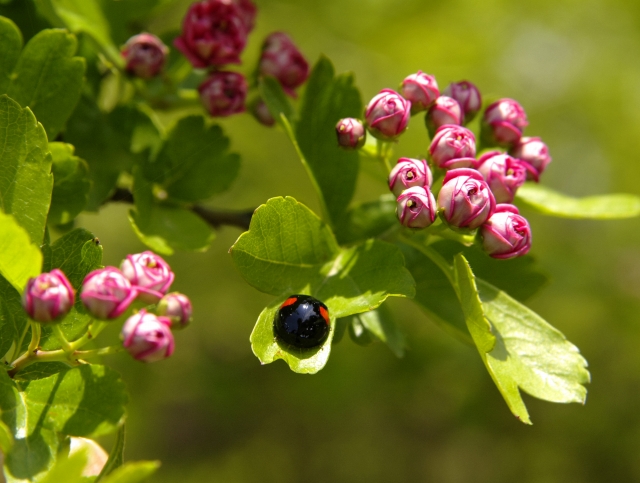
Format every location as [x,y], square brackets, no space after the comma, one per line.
[289,301]
[325,315]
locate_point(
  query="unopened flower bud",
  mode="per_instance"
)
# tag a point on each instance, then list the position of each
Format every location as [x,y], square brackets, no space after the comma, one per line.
[506,234]
[147,337]
[468,96]
[416,207]
[534,153]
[107,293]
[503,174]
[503,123]
[48,297]
[281,59]
[465,198]
[149,274]
[453,147]
[351,133]
[223,93]
[145,55]
[408,173]
[248,12]
[214,32]
[421,90]
[177,308]
[444,110]
[387,115]
[261,112]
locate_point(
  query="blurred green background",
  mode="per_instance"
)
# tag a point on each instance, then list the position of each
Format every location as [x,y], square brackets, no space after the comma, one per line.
[212,413]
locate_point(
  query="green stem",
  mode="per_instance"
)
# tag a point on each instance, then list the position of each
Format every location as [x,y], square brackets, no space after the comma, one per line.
[434,256]
[94,330]
[104,351]
[16,349]
[57,331]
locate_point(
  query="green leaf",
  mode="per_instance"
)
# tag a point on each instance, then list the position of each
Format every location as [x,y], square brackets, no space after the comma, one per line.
[48,78]
[88,400]
[19,258]
[196,161]
[368,220]
[163,228]
[83,16]
[71,184]
[605,207]
[134,472]
[276,100]
[116,456]
[10,46]
[68,469]
[288,250]
[6,438]
[520,350]
[34,448]
[327,99]
[25,173]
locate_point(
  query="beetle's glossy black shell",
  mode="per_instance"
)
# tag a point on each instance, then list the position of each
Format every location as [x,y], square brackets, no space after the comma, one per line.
[302,322]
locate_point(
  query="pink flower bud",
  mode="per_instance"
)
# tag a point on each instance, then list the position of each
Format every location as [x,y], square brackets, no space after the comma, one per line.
[48,297]
[281,59]
[421,90]
[145,55]
[177,308]
[107,293]
[503,122]
[503,174]
[534,153]
[387,115]
[214,32]
[149,274]
[262,114]
[408,173]
[351,133]
[147,337]
[465,198]
[416,207]
[444,110]
[453,147]
[223,93]
[468,96]
[506,234]
[248,13]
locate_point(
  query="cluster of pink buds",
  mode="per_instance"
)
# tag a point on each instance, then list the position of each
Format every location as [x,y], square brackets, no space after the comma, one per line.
[476,193]
[107,293]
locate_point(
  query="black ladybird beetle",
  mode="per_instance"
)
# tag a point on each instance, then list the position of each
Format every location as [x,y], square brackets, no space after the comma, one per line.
[302,321]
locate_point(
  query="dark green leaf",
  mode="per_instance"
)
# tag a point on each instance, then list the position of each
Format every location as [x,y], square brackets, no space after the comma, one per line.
[13,318]
[110,143]
[549,202]
[88,400]
[368,220]
[6,438]
[48,78]
[116,456]
[10,46]
[71,184]
[19,258]
[290,250]
[358,332]
[276,100]
[163,228]
[25,174]
[327,99]
[380,324]
[35,448]
[520,349]
[133,472]
[196,161]
[77,253]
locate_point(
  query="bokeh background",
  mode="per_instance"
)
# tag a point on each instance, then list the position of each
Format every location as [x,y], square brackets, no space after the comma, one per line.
[212,413]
